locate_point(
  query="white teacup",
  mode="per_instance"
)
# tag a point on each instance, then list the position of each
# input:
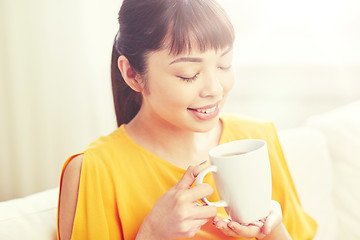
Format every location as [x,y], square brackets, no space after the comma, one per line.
[242,177]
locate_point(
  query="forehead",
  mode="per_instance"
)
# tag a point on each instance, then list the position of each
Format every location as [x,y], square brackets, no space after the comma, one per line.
[188,40]
[192,47]
[165,58]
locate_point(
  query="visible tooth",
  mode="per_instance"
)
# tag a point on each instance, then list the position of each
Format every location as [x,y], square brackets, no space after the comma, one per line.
[208,110]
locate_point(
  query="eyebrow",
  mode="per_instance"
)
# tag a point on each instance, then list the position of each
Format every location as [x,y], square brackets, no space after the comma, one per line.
[227,51]
[191,59]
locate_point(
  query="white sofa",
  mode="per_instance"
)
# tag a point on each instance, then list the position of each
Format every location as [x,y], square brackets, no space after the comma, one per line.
[323,156]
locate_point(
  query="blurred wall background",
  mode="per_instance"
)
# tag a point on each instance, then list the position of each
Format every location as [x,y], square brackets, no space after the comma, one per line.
[293,59]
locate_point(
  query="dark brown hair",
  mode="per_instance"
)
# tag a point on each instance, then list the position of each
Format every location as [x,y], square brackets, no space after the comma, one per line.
[150,25]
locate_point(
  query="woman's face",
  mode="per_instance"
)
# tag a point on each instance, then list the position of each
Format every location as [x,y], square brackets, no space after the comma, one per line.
[188,91]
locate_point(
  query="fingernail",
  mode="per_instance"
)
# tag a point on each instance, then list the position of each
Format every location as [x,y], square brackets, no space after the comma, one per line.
[267,231]
[258,224]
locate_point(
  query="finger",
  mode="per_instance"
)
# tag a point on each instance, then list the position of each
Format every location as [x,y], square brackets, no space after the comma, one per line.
[204,212]
[190,175]
[222,224]
[270,224]
[228,232]
[199,192]
[248,231]
[258,224]
[274,218]
[266,229]
[198,168]
[187,179]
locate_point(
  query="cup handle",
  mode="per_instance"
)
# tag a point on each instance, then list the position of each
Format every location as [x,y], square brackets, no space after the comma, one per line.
[199,180]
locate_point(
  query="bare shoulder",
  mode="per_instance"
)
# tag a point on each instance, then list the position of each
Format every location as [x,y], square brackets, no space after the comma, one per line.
[68,196]
[73,169]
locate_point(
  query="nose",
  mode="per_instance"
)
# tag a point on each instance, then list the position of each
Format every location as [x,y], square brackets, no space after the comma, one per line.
[212,86]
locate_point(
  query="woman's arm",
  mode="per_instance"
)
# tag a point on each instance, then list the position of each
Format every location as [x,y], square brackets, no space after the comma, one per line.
[68,197]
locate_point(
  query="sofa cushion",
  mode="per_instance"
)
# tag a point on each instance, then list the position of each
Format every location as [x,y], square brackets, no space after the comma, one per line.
[342,129]
[32,217]
[309,163]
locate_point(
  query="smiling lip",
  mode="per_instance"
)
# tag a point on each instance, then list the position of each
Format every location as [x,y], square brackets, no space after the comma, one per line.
[207,112]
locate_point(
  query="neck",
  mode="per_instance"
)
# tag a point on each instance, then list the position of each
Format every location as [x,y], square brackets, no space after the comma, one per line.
[178,146]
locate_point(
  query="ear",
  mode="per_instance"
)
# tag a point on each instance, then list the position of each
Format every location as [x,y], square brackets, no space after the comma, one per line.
[131,78]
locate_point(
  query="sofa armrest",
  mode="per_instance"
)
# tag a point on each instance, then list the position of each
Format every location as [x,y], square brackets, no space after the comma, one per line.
[341,127]
[305,150]
[31,217]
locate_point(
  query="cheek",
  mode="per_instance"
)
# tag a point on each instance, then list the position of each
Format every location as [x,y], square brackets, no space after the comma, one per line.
[228,82]
[169,94]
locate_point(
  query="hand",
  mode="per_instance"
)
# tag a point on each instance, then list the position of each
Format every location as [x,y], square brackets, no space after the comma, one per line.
[259,229]
[176,214]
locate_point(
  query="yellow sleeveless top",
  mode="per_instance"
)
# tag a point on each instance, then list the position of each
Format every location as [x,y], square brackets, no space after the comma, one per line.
[120,182]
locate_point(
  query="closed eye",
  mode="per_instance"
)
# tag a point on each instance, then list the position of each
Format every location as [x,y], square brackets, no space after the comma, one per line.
[224,68]
[190,79]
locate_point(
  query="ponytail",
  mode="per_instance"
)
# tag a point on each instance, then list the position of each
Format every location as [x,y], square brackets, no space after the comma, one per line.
[127,102]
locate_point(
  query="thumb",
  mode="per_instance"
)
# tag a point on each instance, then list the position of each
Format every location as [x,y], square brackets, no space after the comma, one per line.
[189,176]
[274,219]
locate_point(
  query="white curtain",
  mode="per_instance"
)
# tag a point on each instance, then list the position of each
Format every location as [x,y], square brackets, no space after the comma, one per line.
[55,93]
[293,58]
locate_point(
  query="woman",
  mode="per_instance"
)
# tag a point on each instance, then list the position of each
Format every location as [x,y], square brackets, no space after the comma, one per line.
[171,74]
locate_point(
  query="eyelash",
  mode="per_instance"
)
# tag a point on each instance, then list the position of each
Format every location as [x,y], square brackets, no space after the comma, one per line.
[225,68]
[196,75]
[190,79]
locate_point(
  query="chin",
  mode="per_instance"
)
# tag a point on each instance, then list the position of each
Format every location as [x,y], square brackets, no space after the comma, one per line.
[206,126]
